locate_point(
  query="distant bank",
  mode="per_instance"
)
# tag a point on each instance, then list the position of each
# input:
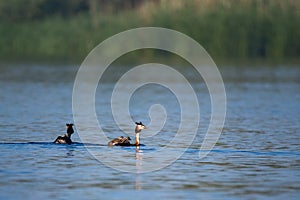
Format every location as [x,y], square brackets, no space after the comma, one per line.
[255,31]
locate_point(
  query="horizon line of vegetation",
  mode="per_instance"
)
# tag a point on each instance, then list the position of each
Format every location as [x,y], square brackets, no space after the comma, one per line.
[228,30]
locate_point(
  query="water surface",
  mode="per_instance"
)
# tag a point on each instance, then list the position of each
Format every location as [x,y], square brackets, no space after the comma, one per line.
[257,156]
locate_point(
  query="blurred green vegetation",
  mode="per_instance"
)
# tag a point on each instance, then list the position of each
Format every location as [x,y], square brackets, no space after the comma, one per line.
[238,31]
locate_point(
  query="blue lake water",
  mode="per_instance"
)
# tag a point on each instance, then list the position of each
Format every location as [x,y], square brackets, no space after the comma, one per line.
[256,157]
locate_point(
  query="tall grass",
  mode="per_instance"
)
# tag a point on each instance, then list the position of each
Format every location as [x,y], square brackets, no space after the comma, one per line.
[228,30]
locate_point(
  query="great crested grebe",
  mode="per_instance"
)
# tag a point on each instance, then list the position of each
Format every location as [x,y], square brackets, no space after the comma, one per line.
[125,141]
[66,138]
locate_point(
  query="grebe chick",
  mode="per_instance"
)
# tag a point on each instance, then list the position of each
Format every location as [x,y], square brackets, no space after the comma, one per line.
[66,138]
[121,141]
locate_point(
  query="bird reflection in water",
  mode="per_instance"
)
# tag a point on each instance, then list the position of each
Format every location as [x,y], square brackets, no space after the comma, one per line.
[139,165]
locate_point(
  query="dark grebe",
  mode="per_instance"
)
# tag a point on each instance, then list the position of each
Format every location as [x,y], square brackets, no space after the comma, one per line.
[121,141]
[66,138]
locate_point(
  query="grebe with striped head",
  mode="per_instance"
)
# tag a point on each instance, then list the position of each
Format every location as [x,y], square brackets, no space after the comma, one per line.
[66,138]
[125,141]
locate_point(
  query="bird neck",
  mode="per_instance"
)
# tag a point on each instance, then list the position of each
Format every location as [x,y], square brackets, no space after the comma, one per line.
[137,138]
[70,131]
[69,135]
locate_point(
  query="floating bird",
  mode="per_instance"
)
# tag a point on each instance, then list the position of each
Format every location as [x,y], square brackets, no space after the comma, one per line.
[66,138]
[125,141]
